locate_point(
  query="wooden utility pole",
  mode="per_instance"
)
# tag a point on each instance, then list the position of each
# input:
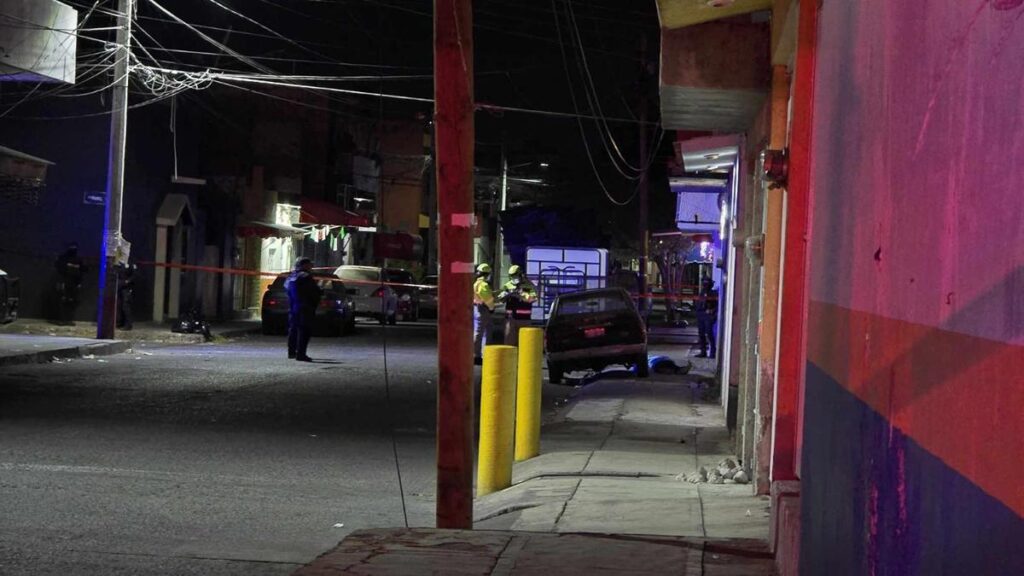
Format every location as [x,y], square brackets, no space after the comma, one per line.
[107,302]
[642,184]
[454,137]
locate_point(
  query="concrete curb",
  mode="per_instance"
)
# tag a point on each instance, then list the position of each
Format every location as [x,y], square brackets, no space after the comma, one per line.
[103,348]
[237,332]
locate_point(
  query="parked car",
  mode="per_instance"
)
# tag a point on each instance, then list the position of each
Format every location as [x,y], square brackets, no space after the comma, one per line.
[9,296]
[408,293]
[428,298]
[592,329]
[335,314]
[371,297]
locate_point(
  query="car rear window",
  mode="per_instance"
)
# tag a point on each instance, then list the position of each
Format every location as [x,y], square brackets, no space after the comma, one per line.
[278,283]
[594,303]
[400,276]
[359,274]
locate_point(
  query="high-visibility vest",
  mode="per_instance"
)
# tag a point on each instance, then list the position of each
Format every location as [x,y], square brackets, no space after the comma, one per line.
[482,293]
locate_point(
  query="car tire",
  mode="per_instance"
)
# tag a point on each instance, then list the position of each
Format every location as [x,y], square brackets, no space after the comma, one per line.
[268,329]
[382,319]
[643,369]
[555,373]
[393,319]
[349,327]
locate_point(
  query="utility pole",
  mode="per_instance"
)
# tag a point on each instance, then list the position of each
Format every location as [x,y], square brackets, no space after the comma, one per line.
[454,137]
[642,184]
[499,250]
[107,303]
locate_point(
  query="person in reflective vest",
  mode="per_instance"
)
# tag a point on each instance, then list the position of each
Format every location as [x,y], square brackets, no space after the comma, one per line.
[483,307]
[519,294]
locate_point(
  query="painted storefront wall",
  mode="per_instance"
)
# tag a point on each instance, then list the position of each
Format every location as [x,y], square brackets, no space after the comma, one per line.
[914,400]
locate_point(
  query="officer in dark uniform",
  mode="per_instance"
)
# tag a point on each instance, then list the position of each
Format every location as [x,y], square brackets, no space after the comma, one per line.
[303,297]
[707,315]
[125,295]
[70,271]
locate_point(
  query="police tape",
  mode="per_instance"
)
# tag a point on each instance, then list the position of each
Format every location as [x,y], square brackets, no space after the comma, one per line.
[675,296]
[269,274]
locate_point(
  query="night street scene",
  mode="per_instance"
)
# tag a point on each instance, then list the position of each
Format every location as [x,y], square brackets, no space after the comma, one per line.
[545,287]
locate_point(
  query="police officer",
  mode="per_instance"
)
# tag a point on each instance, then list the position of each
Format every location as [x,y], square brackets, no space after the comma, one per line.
[706,308]
[519,294]
[125,295]
[70,271]
[303,297]
[483,307]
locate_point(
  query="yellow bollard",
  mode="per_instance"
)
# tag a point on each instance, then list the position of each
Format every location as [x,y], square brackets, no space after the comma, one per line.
[497,419]
[531,354]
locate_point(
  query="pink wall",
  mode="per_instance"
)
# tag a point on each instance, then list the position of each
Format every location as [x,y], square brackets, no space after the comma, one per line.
[917,277]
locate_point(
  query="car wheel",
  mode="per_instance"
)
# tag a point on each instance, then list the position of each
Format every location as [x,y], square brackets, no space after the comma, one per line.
[643,369]
[393,319]
[382,319]
[555,374]
[268,329]
[349,326]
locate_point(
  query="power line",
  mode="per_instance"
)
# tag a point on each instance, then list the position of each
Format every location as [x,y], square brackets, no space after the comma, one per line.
[210,40]
[579,121]
[590,90]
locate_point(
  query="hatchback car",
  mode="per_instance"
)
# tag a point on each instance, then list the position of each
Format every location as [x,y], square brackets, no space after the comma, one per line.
[592,329]
[370,294]
[334,315]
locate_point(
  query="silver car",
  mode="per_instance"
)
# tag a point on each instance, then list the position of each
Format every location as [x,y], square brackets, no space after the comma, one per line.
[371,297]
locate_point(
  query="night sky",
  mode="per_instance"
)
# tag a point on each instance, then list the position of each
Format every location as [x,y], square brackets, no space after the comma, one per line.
[388,45]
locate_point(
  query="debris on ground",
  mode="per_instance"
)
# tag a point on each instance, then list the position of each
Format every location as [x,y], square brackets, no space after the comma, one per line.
[725,472]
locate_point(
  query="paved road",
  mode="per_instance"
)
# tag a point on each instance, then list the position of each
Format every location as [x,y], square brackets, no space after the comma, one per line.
[213,459]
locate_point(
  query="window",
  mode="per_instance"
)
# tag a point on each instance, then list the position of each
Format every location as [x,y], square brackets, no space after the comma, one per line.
[592,303]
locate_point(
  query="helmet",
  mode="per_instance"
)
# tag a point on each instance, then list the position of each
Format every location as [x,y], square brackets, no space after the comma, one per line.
[484,268]
[515,270]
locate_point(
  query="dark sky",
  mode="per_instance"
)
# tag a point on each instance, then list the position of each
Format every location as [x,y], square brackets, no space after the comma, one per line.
[519,63]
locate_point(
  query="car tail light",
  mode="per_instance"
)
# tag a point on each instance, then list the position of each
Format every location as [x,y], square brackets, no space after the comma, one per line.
[271,302]
[378,293]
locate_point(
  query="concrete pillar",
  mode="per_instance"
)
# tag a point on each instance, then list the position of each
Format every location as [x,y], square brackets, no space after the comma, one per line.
[174,292]
[159,274]
[772,285]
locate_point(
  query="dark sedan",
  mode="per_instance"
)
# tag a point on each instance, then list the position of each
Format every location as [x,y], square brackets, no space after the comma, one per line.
[335,315]
[592,329]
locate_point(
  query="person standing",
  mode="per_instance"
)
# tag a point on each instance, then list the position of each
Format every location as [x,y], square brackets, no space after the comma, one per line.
[706,308]
[70,270]
[483,307]
[125,295]
[303,297]
[519,294]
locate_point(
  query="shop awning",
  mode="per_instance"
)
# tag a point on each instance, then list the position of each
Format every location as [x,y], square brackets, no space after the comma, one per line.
[267,230]
[323,213]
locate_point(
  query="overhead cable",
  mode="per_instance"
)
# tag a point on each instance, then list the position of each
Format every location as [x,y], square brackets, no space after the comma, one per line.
[579,121]
[224,47]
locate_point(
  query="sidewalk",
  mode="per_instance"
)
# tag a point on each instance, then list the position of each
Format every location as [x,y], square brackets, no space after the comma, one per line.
[22,349]
[33,341]
[141,332]
[609,494]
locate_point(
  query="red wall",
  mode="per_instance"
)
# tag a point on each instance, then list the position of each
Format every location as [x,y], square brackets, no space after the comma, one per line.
[915,379]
